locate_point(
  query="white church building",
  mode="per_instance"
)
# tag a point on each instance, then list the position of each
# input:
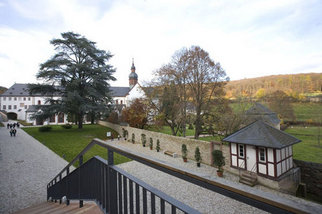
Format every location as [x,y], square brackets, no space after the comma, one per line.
[18,104]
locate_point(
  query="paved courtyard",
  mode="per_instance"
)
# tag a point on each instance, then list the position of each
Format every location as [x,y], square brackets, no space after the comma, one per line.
[26,166]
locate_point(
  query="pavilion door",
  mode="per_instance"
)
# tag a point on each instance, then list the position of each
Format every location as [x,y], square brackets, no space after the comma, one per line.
[251,158]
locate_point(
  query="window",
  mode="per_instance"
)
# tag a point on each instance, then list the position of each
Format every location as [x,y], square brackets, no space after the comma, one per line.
[9,98]
[4,98]
[15,107]
[24,99]
[121,102]
[28,98]
[9,107]
[21,105]
[52,119]
[262,155]
[241,151]
[15,98]
[39,102]
[4,107]
[117,102]
[26,106]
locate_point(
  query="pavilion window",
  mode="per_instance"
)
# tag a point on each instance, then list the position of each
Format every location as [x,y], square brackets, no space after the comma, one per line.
[241,151]
[262,155]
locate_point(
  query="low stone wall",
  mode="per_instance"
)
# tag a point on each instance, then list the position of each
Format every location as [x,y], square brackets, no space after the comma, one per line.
[311,175]
[169,142]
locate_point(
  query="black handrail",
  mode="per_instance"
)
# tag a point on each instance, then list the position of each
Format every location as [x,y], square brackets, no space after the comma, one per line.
[258,201]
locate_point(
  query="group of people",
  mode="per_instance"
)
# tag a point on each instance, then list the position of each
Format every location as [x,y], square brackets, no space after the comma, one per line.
[13,130]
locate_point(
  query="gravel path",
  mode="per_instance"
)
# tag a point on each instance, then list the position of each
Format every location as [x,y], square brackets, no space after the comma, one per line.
[26,166]
[204,200]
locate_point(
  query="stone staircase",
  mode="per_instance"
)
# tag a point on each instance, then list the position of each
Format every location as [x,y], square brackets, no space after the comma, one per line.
[56,208]
[248,178]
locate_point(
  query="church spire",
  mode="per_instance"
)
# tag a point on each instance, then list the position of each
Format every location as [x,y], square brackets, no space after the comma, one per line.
[133,77]
[133,67]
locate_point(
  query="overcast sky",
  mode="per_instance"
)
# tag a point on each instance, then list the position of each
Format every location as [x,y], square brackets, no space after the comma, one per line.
[250,38]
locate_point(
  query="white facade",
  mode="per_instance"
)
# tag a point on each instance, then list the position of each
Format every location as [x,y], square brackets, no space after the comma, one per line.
[268,162]
[19,105]
[135,93]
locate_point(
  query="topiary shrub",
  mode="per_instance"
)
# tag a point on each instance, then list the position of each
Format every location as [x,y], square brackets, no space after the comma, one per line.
[151,143]
[143,139]
[67,126]
[184,151]
[198,156]
[219,159]
[158,145]
[133,138]
[44,128]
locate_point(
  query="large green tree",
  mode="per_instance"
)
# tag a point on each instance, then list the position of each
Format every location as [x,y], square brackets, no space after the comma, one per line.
[78,73]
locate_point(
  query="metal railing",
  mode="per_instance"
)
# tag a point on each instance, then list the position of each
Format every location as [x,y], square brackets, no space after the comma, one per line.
[113,189]
[119,192]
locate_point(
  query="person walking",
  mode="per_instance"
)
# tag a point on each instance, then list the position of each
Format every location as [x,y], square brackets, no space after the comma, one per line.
[14,131]
[11,132]
[8,125]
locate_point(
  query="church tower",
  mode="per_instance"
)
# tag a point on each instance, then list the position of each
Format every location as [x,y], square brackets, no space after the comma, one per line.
[133,77]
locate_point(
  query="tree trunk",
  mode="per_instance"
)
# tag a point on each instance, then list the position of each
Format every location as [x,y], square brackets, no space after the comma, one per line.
[80,121]
[92,118]
[198,122]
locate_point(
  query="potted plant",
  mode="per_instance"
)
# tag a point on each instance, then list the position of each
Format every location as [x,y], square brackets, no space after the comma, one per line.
[124,133]
[158,145]
[184,151]
[133,138]
[143,139]
[219,161]
[198,156]
[151,143]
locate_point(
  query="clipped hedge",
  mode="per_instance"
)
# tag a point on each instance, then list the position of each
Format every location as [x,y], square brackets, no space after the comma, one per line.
[67,126]
[44,128]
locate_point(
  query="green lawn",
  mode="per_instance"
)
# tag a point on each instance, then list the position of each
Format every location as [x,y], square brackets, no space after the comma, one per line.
[308,149]
[70,142]
[308,111]
[167,130]
[303,111]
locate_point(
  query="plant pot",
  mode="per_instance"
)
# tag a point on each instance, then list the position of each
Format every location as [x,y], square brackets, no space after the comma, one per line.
[150,148]
[143,145]
[184,159]
[198,164]
[220,173]
[158,150]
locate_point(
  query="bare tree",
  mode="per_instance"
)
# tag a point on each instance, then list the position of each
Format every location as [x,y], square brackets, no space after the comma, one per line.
[205,80]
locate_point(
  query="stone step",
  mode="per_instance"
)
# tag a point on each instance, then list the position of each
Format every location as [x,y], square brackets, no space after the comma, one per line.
[247,182]
[56,208]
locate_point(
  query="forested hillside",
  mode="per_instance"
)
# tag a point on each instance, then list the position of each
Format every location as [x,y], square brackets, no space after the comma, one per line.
[295,85]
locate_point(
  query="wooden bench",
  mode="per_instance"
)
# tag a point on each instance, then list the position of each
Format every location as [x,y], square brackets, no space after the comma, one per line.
[172,154]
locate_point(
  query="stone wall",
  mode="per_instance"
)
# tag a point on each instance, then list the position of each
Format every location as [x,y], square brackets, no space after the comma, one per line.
[169,142]
[311,175]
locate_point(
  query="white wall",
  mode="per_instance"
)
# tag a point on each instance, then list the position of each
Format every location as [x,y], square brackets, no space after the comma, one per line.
[135,92]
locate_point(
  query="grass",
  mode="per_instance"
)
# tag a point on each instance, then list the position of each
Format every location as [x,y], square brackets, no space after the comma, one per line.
[211,138]
[167,130]
[1,125]
[70,142]
[308,149]
[24,123]
[303,111]
[308,111]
